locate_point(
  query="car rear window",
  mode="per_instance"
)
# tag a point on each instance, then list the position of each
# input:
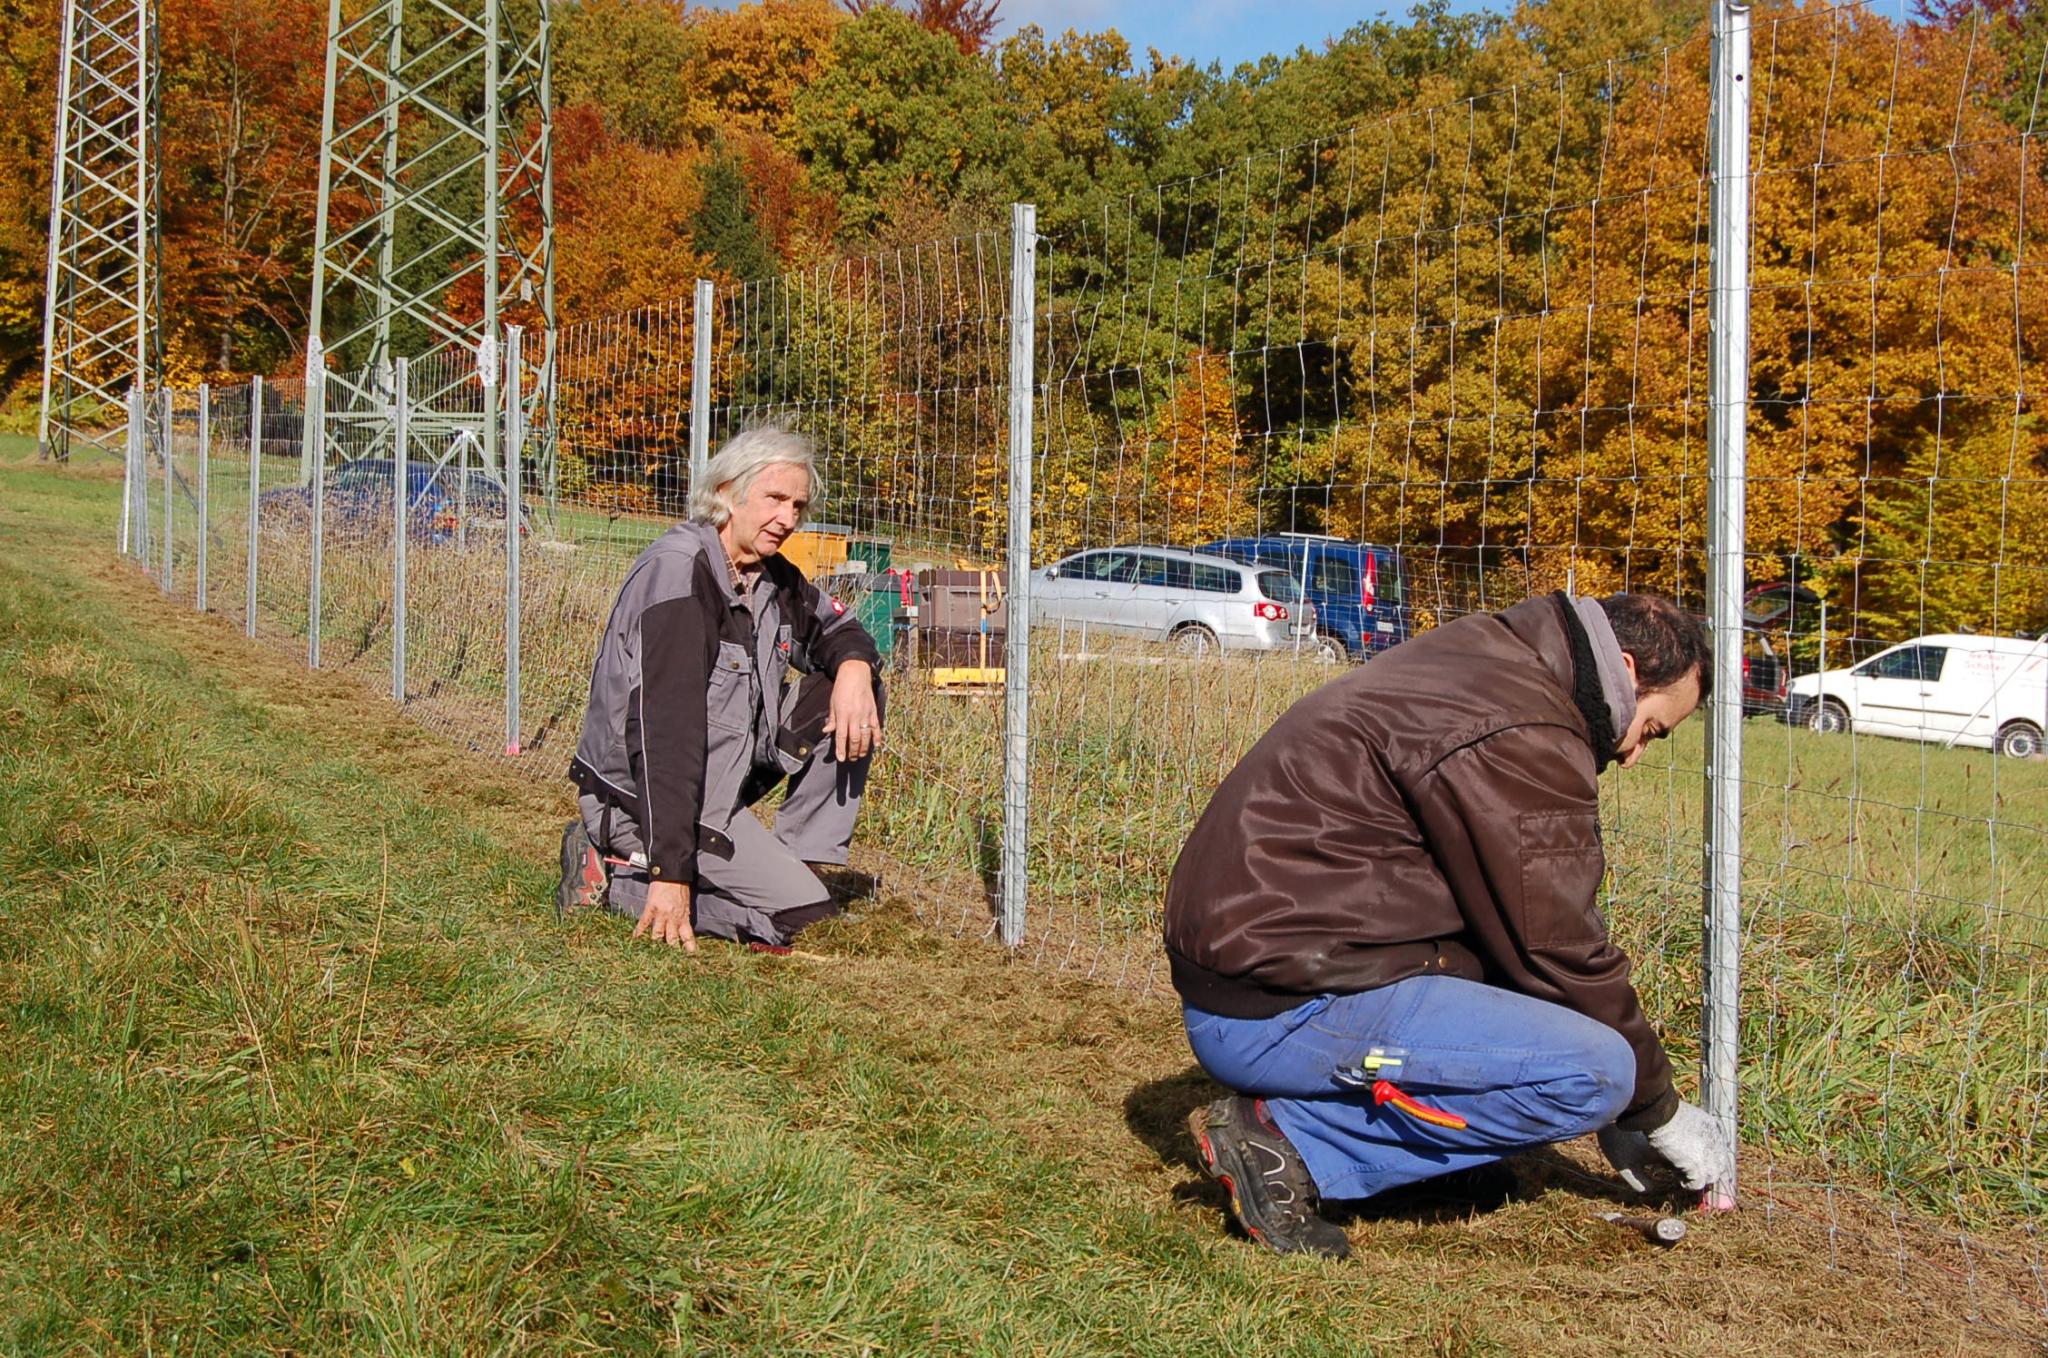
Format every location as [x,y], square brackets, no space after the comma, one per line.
[1215,579]
[1280,585]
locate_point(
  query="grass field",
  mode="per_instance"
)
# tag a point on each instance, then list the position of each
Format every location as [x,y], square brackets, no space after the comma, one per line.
[1897,894]
[295,1058]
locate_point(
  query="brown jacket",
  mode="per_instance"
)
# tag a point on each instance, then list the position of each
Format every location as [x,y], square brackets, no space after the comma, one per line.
[1434,813]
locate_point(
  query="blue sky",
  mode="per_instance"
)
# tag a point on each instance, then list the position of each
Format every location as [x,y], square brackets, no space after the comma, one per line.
[1229,31]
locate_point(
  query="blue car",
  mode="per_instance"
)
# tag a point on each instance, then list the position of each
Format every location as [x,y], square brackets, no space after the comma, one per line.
[358,500]
[1358,588]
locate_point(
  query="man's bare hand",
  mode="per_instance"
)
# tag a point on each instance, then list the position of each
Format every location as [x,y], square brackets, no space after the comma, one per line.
[855,724]
[667,916]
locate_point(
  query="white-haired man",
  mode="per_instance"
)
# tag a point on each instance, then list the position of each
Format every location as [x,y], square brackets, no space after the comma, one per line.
[689,723]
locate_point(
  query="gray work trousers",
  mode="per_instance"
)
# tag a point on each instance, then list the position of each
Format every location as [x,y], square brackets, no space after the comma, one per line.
[763,892]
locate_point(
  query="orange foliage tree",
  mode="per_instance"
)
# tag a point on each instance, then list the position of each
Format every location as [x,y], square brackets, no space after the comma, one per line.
[241,127]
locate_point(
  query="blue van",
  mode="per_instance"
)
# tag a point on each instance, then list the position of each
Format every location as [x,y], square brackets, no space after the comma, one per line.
[1359,589]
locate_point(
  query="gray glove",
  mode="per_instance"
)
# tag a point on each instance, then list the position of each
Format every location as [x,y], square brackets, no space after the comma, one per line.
[1691,1143]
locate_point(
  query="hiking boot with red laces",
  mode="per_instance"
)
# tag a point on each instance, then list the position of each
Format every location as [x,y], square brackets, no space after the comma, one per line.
[583,880]
[1271,1193]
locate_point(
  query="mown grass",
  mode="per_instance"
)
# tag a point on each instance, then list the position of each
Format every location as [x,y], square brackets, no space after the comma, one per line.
[1897,894]
[296,1059]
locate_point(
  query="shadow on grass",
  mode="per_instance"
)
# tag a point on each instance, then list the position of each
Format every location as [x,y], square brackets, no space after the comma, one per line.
[1157,1114]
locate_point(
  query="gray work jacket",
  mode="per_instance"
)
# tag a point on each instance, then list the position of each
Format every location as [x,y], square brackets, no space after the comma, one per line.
[684,670]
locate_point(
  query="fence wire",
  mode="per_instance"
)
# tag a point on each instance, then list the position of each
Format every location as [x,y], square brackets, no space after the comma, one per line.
[897,365]
[1897,889]
[1347,391]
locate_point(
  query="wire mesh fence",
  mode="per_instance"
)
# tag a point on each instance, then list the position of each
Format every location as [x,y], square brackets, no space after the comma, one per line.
[1294,411]
[1895,888]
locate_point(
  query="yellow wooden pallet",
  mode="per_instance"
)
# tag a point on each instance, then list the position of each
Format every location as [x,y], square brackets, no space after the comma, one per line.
[967,676]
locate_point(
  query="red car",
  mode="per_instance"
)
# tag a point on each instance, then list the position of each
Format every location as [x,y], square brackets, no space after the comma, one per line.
[1771,615]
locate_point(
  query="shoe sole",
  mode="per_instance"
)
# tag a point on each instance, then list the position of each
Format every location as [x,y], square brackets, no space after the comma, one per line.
[1228,1169]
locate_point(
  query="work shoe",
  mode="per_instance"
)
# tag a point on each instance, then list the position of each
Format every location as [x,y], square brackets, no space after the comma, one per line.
[1271,1193]
[583,880]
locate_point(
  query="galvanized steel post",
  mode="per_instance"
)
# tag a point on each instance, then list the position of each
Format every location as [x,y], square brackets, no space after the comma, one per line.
[515,440]
[205,456]
[316,440]
[164,430]
[401,498]
[1726,484]
[700,384]
[255,504]
[128,473]
[1017,655]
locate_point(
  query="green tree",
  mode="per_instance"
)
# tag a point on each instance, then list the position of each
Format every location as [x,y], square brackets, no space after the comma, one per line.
[724,229]
[901,118]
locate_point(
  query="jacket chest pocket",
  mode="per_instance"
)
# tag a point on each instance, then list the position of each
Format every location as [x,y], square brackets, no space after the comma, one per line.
[729,695]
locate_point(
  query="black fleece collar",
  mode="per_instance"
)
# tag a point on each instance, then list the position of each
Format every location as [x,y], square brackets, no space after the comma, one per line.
[1587,693]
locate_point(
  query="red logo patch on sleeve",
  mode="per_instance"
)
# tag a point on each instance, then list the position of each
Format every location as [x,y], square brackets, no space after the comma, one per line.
[839,605]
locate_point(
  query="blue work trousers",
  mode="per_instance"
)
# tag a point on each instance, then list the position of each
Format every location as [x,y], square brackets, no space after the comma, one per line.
[1520,1071]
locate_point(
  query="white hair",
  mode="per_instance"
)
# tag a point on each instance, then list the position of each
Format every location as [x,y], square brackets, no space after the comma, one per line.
[730,474]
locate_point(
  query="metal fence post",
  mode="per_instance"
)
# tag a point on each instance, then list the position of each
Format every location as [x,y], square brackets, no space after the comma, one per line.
[255,492]
[401,498]
[205,457]
[515,441]
[1726,484]
[700,384]
[316,441]
[1017,655]
[139,425]
[164,431]
[128,481]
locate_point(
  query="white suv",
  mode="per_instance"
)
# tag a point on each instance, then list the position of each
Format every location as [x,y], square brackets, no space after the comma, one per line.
[1198,604]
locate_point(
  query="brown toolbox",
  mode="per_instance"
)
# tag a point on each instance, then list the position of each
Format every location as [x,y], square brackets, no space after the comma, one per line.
[963,619]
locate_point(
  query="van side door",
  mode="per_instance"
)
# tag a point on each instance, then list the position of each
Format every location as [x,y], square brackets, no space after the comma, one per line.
[1897,691]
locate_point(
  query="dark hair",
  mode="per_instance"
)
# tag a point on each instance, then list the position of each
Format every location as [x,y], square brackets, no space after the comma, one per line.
[1667,642]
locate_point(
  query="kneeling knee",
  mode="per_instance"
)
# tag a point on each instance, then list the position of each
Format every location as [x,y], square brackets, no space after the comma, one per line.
[1593,1092]
[1611,1079]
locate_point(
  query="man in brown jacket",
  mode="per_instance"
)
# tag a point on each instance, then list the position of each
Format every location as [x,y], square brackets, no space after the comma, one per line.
[1385,929]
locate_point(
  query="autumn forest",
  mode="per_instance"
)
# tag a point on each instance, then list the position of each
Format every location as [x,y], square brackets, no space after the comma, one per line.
[1441,283]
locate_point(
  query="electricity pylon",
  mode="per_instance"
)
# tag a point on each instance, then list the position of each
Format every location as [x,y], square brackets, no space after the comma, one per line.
[436,221]
[100,303]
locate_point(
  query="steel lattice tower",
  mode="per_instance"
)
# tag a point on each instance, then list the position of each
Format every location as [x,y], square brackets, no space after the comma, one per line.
[436,217]
[101,297]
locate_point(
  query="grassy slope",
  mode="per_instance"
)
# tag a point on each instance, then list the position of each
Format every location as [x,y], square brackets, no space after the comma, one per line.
[294,1057]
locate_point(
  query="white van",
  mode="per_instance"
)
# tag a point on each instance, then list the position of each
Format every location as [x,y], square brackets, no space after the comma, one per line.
[1990,692]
